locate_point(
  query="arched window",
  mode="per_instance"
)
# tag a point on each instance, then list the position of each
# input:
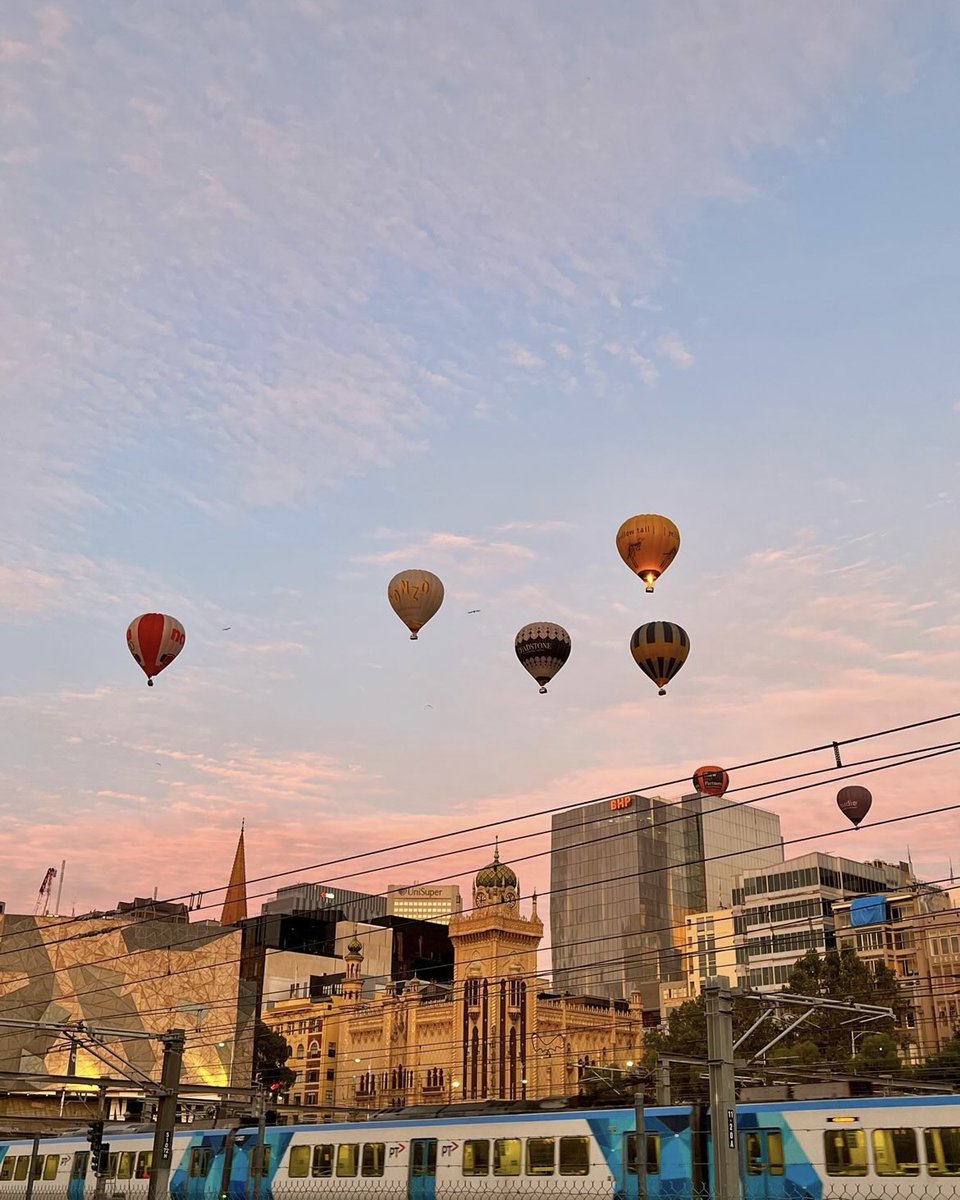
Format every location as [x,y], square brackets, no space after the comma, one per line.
[474,1062]
[300,1051]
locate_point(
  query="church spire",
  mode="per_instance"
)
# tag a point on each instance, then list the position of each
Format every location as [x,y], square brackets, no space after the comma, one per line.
[235,901]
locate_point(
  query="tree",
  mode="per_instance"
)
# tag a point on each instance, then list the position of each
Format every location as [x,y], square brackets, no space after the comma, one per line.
[943,1068]
[270,1053]
[878,1054]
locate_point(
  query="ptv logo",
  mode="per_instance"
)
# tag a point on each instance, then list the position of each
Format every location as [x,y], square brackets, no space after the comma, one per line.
[396,1150]
[448,1148]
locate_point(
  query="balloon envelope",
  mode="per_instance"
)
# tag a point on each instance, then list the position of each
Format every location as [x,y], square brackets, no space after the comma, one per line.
[415,596]
[542,648]
[660,649]
[711,781]
[854,802]
[155,640]
[648,544]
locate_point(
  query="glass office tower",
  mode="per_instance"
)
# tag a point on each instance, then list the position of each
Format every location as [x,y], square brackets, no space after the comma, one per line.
[626,872]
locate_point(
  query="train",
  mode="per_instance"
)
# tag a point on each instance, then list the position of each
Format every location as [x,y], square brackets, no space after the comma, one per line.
[805,1150]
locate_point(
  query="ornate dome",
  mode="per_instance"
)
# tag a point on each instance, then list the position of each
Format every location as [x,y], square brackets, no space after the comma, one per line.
[355,946]
[496,875]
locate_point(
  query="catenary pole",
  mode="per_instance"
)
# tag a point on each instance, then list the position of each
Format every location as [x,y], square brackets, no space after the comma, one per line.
[173,1044]
[723,1095]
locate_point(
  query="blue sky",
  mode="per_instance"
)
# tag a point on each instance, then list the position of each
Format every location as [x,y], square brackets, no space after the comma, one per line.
[298,293]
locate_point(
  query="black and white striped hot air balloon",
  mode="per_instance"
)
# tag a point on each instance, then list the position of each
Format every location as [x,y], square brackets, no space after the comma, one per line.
[542,648]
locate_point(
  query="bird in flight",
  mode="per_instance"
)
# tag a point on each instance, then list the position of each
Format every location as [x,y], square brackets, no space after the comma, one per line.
[472,610]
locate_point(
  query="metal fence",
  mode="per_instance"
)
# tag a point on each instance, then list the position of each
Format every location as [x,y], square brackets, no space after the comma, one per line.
[514,1188]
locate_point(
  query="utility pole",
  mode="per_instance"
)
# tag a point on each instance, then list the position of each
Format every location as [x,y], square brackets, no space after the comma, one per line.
[723,1093]
[34,1156]
[260,1150]
[173,1043]
[663,1083]
[641,1136]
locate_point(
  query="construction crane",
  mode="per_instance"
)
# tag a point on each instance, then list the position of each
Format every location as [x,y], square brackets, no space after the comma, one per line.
[45,893]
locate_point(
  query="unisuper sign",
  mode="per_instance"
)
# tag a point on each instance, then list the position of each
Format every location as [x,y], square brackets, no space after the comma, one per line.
[619,803]
[421,891]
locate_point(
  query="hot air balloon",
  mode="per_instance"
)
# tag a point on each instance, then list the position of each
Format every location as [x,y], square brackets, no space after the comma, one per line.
[711,781]
[155,640]
[648,544]
[415,596]
[542,648]
[660,649]
[854,802]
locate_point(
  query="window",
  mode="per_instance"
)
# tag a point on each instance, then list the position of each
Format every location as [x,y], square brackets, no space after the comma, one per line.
[653,1153]
[22,1166]
[347,1159]
[506,1156]
[322,1161]
[574,1156]
[775,1151]
[330,1076]
[371,1164]
[111,1172]
[126,1161]
[299,1165]
[753,1153]
[6,1168]
[81,1164]
[144,1163]
[476,1158]
[943,1150]
[51,1166]
[540,1156]
[895,1152]
[310,1098]
[845,1151]
[259,1162]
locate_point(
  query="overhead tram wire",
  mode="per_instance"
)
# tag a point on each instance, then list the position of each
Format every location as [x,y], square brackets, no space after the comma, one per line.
[835,745]
[540,854]
[572,887]
[920,754]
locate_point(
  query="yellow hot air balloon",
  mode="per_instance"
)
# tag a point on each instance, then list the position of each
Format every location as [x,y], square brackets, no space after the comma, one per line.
[648,544]
[415,597]
[660,649]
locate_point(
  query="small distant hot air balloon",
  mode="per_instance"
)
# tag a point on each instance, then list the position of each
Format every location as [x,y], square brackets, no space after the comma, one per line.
[155,640]
[854,802]
[648,544]
[415,596]
[660,649]
[711,781]
[542,648]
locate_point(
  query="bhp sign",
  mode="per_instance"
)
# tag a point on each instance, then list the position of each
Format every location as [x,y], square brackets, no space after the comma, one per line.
[618,803]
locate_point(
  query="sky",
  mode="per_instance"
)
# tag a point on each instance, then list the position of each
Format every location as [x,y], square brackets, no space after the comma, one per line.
[300,293]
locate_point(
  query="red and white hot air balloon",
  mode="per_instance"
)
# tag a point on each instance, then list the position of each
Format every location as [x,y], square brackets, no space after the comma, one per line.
[155,640]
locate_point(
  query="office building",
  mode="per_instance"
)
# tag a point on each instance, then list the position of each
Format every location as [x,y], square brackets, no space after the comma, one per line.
[779,915]
[321,899]
[915,931]
[627,872]
[424,902]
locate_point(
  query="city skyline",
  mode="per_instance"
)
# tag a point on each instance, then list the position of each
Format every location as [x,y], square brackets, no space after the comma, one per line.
[285,318]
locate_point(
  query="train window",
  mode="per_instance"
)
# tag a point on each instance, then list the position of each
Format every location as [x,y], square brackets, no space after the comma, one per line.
[6,1168]
[371,1163]
[299,1165]
[347,1159]
[144,1163]
[753,1153]
[81,1164]
[22,1167]
[126,1164]
[51,1166]
[574,1156]
[112,1166]
[476,1158]
[943,1150]
[506,1156]
[895,1152]
[541,1156]
[775,1151]
[259,1162]
[200,1160]
[653,1153]
[322,1161]
[37,1166]
[845,1151]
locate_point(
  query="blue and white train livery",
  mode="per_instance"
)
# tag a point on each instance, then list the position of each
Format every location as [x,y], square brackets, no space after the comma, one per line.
[787,1151]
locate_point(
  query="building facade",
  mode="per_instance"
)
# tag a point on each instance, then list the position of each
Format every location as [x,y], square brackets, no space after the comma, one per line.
[424,902]
[915,932]
[323,900]
[627,872]
[780,914]
[496,1031]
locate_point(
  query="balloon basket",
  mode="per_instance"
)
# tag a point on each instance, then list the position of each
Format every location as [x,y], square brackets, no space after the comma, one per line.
[662,692]
[414,638]
[543,691]
[149,683]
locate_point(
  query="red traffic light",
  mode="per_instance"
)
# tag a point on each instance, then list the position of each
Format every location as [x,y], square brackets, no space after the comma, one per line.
[274,1087]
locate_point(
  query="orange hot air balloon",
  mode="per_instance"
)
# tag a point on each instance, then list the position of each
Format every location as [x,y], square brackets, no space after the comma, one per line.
[711,781]
[854,802]
[648,544]
[415,596]
[155,640]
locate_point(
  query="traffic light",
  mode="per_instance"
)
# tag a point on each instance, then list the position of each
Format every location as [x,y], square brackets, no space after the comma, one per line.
[95,1138]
